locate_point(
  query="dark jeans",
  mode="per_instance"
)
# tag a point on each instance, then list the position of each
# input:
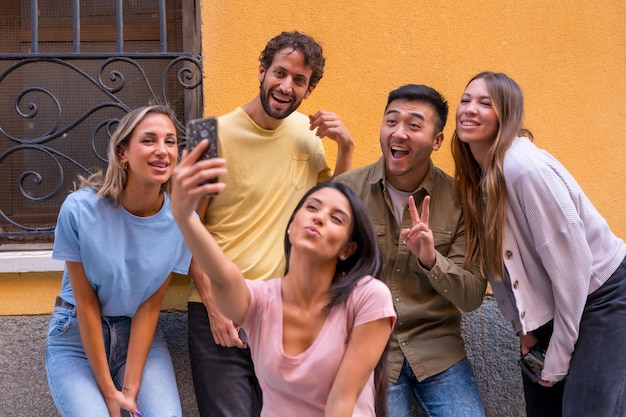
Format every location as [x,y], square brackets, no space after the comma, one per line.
[223,378]
[595,384]
[543,401]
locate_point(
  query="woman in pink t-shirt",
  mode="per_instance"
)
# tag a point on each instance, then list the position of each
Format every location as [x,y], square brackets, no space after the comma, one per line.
[317,335]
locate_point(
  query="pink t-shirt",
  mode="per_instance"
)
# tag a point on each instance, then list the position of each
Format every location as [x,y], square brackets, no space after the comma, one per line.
[299,385]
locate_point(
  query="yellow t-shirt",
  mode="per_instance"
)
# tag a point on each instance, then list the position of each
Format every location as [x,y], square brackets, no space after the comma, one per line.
[268,172]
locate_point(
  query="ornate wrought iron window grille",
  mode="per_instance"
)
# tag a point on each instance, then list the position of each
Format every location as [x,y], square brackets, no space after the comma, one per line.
[58,109]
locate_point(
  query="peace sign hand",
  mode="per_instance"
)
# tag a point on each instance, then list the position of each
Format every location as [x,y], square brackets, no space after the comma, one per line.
[419,238]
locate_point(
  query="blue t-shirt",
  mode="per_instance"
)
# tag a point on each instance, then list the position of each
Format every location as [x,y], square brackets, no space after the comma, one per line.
[126,258]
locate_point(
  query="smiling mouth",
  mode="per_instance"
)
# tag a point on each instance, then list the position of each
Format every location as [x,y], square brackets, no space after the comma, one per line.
[281,98]
[398,152]
[469,123]
[159,165]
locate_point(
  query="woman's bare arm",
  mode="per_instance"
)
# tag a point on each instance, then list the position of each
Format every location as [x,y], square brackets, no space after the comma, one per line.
[365,347]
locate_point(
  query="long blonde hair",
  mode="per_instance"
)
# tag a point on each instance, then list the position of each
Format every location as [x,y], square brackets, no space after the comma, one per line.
[483,193]
[112,183]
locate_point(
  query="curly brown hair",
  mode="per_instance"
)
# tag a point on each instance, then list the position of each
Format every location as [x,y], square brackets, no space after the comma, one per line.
[309,47]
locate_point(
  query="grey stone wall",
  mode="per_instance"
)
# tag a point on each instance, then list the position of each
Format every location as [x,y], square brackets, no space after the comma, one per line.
[493,350]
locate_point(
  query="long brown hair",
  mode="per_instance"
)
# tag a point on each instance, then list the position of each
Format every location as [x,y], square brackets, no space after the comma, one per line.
[483,193]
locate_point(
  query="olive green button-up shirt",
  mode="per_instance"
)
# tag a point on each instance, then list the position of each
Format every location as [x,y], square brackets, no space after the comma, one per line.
[428,329]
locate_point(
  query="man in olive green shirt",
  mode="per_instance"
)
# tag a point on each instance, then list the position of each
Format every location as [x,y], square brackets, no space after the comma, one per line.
[424,255]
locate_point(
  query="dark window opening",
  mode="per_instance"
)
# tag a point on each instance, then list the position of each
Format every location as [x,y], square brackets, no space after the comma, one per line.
[59,106]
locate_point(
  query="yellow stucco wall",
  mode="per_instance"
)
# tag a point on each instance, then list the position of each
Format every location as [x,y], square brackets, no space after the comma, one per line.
[32,293]
[569,56]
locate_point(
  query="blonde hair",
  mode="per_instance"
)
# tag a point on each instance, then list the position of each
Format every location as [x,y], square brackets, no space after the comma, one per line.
[113,182]
[483,193]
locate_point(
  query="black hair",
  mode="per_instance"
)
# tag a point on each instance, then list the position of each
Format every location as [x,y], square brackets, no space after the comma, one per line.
[420,92]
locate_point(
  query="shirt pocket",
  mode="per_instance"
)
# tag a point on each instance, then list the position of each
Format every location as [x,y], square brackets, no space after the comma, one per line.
[300,168]
[380,230]
[443,241]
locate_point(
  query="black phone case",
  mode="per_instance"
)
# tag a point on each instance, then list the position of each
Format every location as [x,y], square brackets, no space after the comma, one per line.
[199,130]
[532,363]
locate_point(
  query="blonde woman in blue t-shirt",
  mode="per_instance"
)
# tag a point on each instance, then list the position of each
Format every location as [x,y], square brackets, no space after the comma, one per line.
[120,245]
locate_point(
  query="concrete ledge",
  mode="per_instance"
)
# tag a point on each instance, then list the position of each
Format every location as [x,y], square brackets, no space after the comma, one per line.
[28,258]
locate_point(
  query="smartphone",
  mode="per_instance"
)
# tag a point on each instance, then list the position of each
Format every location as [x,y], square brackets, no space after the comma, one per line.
[199,130]
[532,363]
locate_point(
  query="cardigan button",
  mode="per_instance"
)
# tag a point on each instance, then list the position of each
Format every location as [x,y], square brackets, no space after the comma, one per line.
[515,284]
[508,254]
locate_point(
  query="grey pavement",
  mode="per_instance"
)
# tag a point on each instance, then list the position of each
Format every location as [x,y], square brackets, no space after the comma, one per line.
[491,346]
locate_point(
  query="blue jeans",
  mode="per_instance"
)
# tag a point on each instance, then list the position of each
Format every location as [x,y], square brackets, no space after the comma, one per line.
[71,380]
[452,393]
[223,377]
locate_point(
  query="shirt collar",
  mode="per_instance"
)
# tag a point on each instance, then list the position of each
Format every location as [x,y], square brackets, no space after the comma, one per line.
[378,176]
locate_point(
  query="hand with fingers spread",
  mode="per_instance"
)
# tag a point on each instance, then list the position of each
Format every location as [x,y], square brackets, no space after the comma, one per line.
[188,174]
[419,238]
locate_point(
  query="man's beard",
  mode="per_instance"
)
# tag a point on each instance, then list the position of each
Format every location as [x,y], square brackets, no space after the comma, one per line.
[274,114]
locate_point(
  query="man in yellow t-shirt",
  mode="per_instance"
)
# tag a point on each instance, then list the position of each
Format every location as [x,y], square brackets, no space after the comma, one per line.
[273,156]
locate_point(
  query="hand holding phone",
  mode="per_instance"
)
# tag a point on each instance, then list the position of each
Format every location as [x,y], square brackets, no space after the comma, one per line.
[199,130]
[532,363]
